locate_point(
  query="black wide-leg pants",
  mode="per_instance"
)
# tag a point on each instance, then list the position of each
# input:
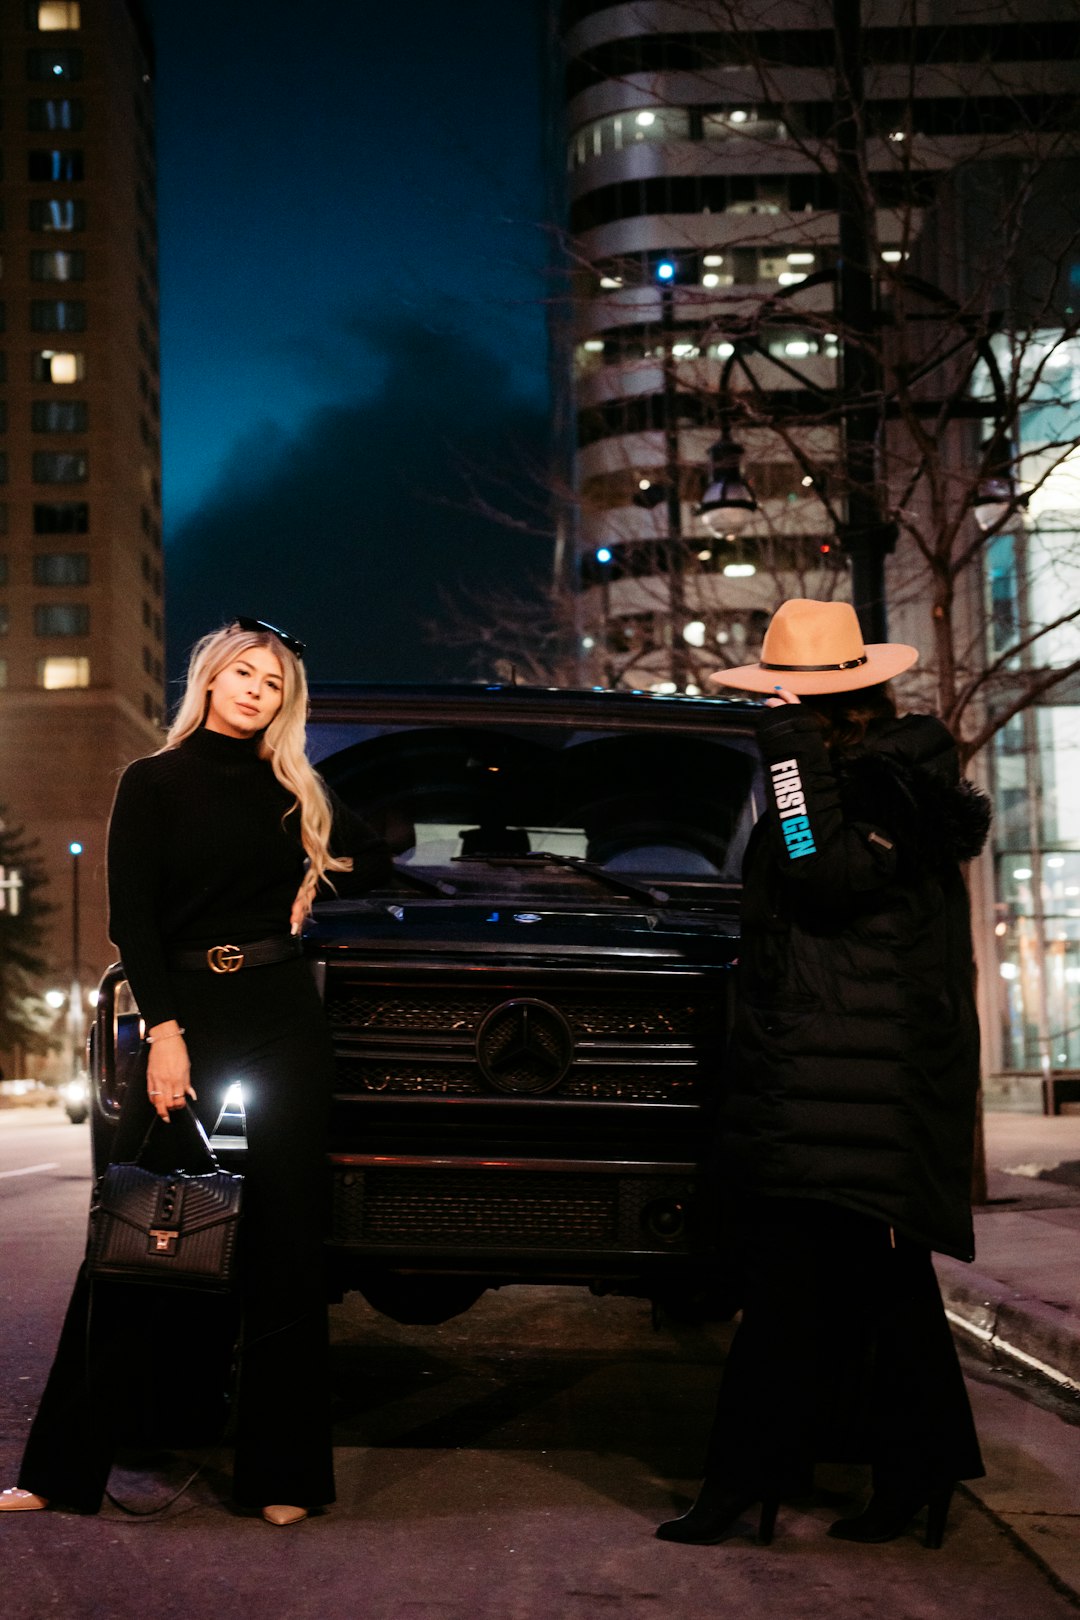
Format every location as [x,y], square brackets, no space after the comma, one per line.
[264,1029]
[843,1354]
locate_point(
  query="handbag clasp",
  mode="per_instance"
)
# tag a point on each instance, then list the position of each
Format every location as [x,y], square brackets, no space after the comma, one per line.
[163,1239]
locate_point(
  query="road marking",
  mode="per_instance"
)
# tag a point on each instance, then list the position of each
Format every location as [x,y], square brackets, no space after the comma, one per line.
[30,1170]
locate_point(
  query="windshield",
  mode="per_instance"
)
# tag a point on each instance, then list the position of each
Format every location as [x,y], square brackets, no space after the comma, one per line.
[664,805]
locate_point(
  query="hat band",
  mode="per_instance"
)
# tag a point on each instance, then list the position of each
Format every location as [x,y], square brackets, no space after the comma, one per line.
[815,669]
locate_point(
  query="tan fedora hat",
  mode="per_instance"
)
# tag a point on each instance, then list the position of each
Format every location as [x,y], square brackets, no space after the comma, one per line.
[816,647]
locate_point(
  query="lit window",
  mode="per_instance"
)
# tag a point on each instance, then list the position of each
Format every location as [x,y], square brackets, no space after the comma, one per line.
[54,674]
[62,568]
[57,214]
[60,467]
[800,258]
[610,282]
[63,163]
[593,345]
[789,278]
[645,119]
[59,114]
[57,265]
[59,315]
[57,15]
[58,366]
[54,65]
[62,619]
[892,256]
[710,280]
[713,261]
[58,416]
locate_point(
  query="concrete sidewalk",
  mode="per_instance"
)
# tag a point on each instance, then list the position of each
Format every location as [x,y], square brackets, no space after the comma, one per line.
[1022,1295]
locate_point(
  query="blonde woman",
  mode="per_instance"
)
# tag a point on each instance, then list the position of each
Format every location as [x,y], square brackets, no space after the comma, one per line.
[222,838]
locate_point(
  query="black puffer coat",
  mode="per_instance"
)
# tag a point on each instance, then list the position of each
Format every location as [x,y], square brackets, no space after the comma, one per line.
[855,1058]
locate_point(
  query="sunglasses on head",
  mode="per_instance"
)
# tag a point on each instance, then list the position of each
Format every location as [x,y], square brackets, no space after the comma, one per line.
[260,625]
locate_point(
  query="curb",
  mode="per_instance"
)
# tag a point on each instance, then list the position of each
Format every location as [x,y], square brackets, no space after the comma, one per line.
[1043,1338]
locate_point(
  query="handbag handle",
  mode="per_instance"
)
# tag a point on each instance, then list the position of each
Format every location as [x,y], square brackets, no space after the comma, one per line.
[195,1123]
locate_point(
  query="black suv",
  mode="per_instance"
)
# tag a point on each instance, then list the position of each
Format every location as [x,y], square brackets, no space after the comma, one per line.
[530,1021]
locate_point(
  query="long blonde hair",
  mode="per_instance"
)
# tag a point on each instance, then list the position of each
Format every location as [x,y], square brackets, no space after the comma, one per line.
[282,743]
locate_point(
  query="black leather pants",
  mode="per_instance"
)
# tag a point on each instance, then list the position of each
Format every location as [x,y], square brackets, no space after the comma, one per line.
[843,1354]
[264,1028]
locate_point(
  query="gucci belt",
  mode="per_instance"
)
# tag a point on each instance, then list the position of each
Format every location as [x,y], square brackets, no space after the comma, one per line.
[231,958]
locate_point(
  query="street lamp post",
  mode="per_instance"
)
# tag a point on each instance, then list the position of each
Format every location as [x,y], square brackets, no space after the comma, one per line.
[680,662]
[75,1003]
[865,534]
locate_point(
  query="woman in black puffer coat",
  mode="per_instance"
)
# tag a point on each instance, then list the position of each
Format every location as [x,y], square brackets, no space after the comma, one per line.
[848,1123]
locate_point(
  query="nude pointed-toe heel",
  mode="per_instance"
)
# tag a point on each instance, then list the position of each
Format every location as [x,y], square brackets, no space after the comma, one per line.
[16,1500]
[281,1514]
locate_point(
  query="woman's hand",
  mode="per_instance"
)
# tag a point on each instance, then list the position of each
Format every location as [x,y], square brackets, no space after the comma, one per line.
[297,914]
[782,696]
[168,1073]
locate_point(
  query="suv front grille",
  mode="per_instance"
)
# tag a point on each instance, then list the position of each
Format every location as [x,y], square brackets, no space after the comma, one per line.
[426,1042]
[355,1007]
[406,1079]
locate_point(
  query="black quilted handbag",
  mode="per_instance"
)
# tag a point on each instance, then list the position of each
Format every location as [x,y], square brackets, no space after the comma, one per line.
[177,1229]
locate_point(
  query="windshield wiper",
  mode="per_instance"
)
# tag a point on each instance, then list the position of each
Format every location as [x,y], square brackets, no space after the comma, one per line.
[576,863]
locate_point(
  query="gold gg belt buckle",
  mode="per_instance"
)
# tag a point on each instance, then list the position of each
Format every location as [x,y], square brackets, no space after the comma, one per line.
[225,958]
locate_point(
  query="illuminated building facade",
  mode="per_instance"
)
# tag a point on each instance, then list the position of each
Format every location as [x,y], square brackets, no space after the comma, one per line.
[81,631]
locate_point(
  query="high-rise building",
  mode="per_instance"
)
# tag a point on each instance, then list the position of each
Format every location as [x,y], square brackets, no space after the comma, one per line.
[710,221]
[81,632]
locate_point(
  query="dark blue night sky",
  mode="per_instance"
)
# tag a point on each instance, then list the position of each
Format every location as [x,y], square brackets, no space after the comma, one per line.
[353,289]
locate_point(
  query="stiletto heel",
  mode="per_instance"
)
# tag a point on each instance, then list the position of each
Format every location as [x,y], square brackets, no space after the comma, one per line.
[886,1517]
[713,1515]
[937,1514]
[770,1506]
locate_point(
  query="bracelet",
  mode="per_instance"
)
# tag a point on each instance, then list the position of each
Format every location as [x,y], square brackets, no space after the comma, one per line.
[171,1036]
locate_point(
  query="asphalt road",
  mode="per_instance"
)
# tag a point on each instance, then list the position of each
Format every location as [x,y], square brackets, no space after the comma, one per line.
[510,1465]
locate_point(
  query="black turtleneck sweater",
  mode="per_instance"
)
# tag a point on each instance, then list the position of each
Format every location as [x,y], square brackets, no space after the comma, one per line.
[202,852]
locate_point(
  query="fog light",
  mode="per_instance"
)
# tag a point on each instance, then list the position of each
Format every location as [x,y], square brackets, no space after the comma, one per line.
[665,1219]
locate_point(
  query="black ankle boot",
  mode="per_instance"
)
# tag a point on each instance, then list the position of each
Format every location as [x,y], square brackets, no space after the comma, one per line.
[713,1514]
[888,1514]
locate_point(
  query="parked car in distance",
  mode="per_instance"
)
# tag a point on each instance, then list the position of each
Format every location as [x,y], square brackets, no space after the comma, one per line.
[529,1020]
